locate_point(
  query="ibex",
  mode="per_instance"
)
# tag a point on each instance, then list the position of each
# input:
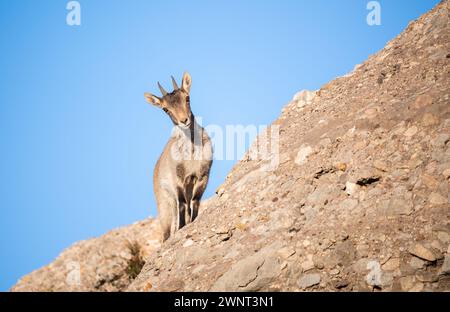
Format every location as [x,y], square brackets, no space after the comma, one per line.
[182,171]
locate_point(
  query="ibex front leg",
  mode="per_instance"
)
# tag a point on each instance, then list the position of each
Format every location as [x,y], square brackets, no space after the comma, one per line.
[181,205]
[189,183]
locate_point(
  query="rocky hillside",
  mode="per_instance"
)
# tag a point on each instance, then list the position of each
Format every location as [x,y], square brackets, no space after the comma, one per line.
[107,263]
[360,200]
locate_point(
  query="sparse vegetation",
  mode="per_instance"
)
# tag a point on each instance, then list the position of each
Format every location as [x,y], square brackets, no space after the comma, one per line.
[136,263]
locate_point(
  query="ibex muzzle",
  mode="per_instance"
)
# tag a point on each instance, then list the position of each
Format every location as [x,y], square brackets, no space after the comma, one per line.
[182,171]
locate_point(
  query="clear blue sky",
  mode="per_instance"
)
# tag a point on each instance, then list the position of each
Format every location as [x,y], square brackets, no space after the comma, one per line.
[79,142]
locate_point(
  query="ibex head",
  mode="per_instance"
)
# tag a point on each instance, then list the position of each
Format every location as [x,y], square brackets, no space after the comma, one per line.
[176,104]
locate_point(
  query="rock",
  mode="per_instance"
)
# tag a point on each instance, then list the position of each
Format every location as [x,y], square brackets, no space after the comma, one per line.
[446,173]
[422,252]
[444,237]
[426,277]
[423,100]
[349,204]
[188,243]
[340,166]
[417,288]
[429,181]
[445,268]
[345,252]
[107,263]
[376,277]
[334,272]
[411,131]
[341,284]
[371,113]
[251,273]
[430,120]
[407,282]
[303,154]
[441,140]
[417,263]
[437,199]
[351,188]
[304,98]
[286,252]
[391,265]
[400,206]
[307,265]
[381,165]
[309,280]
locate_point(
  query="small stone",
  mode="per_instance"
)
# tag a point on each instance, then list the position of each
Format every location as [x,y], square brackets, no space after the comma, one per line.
[188,243]
[220,191]
[380,165]
[426,277]
[417,288]
[307,265]
[286,252]
[334,272]
[446,173]
[340,166]
[437,199]
[430,120]
[198,269]
[341,284]
[441,140]
[438,247]
[417,263]
[400,206]
[362,250]
[303,154]
[371,113]
[319,265]
[423,101]
[360,266]
[148,286]
[351,188]
[429,181]
[304,97]
[445,268]
[309,280]
[411,131]
[376,277]
[422,252]
[306,243]
[391,265]
[407,282]
[349,204]
[359,145]
[444,237]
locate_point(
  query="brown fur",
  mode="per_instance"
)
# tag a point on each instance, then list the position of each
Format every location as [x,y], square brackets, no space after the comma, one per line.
[181,173]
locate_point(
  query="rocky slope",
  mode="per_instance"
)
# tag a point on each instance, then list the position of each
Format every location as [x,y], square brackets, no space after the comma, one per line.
[358,202]
[107,263]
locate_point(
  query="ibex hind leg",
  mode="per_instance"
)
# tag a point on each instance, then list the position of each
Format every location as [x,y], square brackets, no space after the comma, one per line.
[199,189]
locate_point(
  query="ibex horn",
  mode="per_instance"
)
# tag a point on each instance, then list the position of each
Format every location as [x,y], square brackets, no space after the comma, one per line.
[175,86]
[164,92]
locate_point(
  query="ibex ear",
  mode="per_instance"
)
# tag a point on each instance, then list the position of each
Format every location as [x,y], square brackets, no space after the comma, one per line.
[187,82]
[152,99]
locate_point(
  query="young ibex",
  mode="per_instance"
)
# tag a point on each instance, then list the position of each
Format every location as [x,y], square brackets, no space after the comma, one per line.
[181,173]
